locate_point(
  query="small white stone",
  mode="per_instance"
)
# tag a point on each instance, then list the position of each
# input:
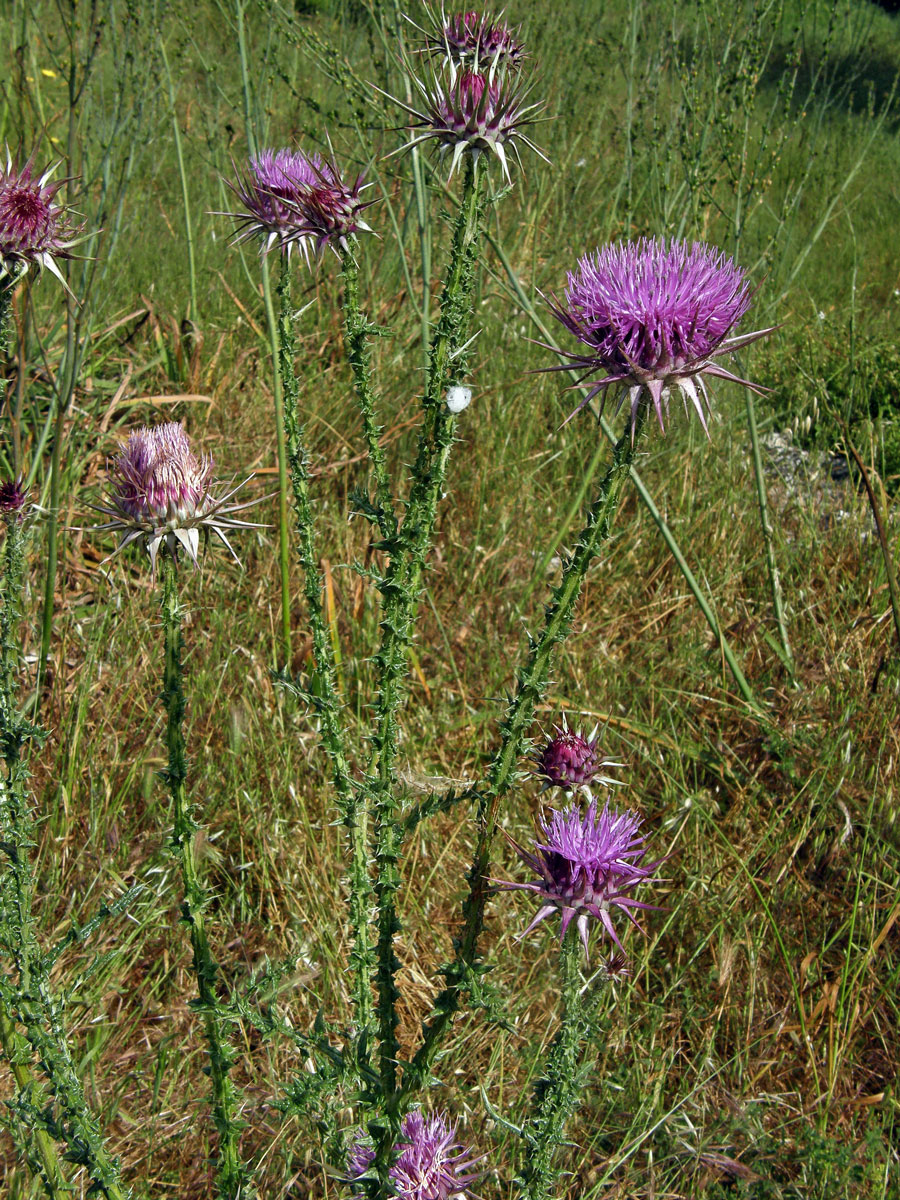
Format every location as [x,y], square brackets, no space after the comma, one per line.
[458,398]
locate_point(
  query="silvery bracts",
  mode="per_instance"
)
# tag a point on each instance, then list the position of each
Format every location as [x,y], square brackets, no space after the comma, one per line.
[532,683]
[231,1175]
[401,588]
[356,340]
[556,1092]
[323,695]
[26,998]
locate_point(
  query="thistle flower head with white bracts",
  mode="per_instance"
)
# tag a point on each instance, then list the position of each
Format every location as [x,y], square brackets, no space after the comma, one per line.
[656,317]
[294,200]
[34,229]
[431,1163]
[473,39]
[162,495]
[588,863]
[570,760]
[473,113]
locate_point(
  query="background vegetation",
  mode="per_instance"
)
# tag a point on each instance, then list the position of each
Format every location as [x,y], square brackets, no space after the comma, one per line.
[754,1053]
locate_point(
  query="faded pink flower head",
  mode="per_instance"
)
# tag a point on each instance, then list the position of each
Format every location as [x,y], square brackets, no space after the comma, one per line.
[291,199]
[588,863]
[33,227]
[473,113]
[571,760]
[160,494]
[655,316]
[431,1163]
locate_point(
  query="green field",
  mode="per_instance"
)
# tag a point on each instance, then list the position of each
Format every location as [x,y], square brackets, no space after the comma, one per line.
[754,1050]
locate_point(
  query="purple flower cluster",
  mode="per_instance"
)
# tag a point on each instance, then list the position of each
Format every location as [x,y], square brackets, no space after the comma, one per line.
[291,199]
[655,316]
[33,227]
[160,494]
[431,1163]
[474,101]
[588,863]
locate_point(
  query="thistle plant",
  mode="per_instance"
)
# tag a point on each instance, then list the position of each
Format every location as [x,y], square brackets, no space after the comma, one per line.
[161,497]
[33,1034]
[651,319]
[291,201]
[588,863]
[656,317]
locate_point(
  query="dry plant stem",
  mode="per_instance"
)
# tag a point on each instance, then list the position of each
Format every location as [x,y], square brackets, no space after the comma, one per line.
[401,589]
[30,1000]
[231,1176]
[323,695]
[556,1093]
[284,541]
[533,679]
[356,339]
[767,531]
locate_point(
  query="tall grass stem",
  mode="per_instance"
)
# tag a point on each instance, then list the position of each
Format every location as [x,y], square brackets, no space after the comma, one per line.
[284,538]
[768,535]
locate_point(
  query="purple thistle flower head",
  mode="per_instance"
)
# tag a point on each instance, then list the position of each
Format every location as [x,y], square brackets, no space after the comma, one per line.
[160,494]
[588,863]
[12,499]
[570,760]
[655,316]
[293,199]
[474,113]
[33,227]
[473,39]
[431,1163]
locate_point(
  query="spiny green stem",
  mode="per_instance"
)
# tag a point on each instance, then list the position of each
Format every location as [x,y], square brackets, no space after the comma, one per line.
[284,541]
[401,589]
[29,1000]
[16,1052]
[15,1048]
[230,1173]
[556,1093]
[532,683]
[324,694]
[356,340]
